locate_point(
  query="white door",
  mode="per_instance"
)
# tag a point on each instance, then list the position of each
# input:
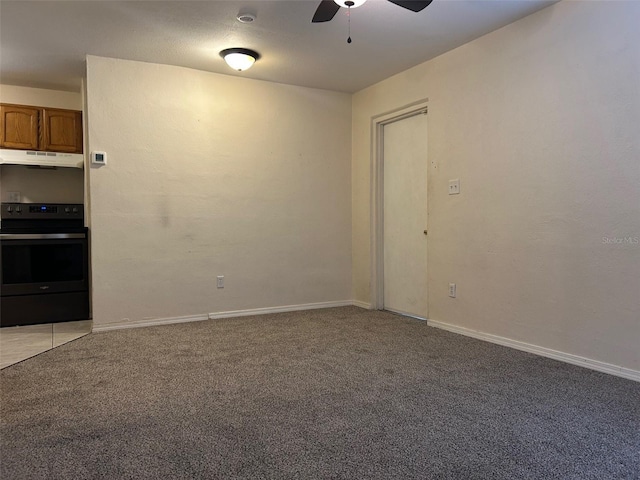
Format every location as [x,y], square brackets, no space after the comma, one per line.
[405,170]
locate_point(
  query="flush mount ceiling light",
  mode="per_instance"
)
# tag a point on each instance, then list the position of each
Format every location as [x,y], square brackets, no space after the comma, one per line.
[239,58]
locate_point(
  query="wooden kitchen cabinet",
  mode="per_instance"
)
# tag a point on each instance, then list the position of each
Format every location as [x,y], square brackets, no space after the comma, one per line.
[61,130]
[40,128]
[19,127]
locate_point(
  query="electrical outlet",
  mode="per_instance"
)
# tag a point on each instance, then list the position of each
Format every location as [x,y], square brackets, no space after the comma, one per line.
[220,281]
[14,197]
[454,186]
[452,290]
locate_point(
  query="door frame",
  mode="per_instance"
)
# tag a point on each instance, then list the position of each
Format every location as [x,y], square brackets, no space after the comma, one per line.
[378,122]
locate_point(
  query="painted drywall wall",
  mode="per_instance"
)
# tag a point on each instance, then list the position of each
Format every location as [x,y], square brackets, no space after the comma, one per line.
[539,121]
[40,97]
[63,185]
[213,175]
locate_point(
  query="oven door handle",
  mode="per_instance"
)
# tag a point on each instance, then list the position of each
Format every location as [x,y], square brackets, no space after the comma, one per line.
[41,236]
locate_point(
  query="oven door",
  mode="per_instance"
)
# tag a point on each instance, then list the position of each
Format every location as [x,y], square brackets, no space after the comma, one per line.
[43,263]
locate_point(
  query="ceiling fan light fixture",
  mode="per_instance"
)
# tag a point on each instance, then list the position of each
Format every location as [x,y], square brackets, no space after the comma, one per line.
[349,3]
[239,59]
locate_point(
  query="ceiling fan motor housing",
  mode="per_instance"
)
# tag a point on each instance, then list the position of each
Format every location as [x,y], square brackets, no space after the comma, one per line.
[328,8]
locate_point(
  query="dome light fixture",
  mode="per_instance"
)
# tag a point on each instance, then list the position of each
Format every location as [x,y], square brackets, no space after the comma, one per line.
[349,3]
[239,58]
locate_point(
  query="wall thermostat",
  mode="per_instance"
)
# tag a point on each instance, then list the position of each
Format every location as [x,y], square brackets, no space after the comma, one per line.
[98,158]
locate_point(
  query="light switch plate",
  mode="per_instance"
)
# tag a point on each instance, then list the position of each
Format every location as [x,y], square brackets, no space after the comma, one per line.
[14,197]
[454,186]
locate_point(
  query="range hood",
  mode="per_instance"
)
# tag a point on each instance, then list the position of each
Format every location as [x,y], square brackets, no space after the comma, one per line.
[43,159]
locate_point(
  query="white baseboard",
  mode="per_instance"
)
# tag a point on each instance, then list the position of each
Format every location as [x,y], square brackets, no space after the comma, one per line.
[286,308]
[405,314]
[211,316]
[542,351]
[149,322]
[358,303]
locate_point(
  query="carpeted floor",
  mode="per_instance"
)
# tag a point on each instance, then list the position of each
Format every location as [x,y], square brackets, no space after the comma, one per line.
[336,393]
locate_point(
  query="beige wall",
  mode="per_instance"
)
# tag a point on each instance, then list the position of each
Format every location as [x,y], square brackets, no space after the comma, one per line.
[213,175]
[539,121]
[40,97]
[62,185]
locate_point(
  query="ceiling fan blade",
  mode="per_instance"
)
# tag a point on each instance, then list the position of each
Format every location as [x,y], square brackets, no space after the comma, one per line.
[326,11]
[414,6]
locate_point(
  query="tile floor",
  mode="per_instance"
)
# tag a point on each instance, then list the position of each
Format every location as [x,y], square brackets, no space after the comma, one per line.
[20,343]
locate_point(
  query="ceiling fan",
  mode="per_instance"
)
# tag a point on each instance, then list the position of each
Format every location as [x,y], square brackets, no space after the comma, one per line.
[328,8]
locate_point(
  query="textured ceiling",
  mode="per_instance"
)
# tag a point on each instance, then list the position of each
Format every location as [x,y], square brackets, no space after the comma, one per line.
[43,44]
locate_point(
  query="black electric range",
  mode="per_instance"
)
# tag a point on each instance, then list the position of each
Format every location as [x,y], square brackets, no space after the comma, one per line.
[44,263]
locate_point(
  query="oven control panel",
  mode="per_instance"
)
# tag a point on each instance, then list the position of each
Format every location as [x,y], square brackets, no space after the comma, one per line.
[33,211]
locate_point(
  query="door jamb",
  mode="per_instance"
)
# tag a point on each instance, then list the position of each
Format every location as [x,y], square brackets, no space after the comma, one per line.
[377,190]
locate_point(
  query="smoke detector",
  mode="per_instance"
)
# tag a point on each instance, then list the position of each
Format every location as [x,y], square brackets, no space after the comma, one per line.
[246,17]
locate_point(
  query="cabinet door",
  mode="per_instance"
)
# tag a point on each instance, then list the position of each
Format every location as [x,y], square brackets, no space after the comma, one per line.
[62,131]
[19,127]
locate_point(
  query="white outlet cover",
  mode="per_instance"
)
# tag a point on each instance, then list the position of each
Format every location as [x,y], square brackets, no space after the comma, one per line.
[454,186]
